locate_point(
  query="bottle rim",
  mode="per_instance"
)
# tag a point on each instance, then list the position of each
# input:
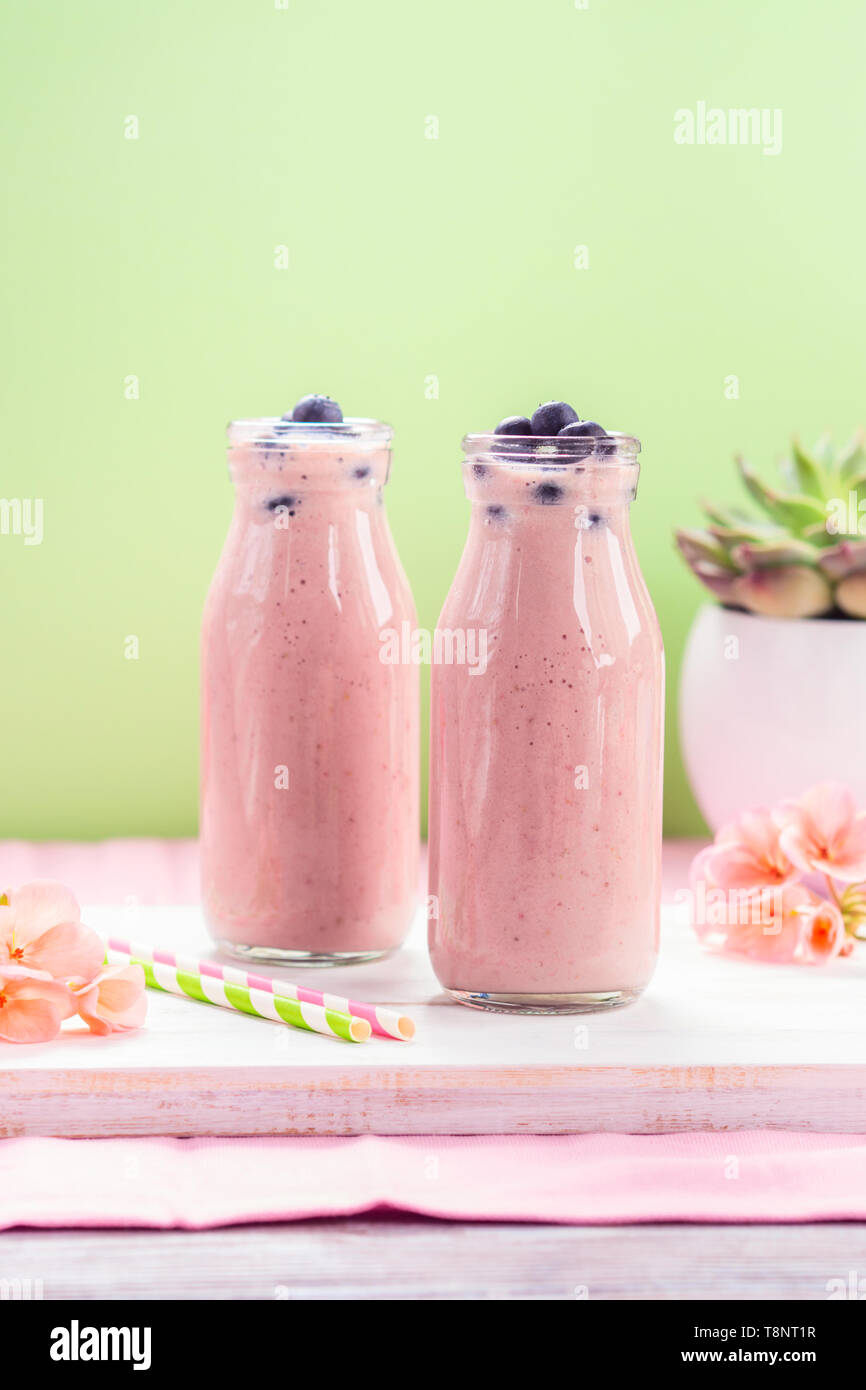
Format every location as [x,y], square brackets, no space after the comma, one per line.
[273,432]
[516,450]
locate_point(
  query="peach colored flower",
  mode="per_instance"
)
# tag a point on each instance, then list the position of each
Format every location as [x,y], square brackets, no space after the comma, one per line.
[41,928]
[823,932]
[773,929]
[113,1002]
[32,1006]
[748,855]
[823,833]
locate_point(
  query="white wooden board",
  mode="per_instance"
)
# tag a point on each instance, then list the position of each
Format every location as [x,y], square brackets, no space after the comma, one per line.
[715,1043]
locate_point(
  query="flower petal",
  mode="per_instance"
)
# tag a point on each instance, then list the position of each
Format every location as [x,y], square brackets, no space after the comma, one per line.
[121,992]
[824,933]
[115,1002]
[747,853]
[735,866]
[66,950]
[829,810]
[32,1010]
[848,862]
[30,1020]
[11,970]
[799,848]
[40,905]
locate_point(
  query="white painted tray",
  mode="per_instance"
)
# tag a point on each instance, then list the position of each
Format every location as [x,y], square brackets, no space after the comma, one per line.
[714,1044]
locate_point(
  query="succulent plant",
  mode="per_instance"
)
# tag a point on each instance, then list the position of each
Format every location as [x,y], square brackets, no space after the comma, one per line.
[806,557]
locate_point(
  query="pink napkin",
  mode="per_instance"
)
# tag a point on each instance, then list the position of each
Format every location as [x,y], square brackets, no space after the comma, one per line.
[166,871]
[597,1179]
[108,871]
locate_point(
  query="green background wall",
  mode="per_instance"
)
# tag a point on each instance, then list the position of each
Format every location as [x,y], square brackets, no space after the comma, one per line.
[408,257]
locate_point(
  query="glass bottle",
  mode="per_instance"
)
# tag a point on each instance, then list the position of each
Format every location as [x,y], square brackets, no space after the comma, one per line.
[546,765]
[309,741]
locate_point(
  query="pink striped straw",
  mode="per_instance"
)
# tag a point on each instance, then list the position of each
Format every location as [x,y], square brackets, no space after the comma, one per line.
[386,1023]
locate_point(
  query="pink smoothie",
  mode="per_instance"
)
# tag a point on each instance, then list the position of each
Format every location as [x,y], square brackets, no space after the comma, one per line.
[545,799]
[309,771]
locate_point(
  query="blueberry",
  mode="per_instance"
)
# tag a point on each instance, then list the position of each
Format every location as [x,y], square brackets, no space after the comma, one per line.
[496,512]
[583,427]
[480,470]
[514,424]
[360,473]
[547,493]
[289,502]
[552,417]
[595,519]
[317,410]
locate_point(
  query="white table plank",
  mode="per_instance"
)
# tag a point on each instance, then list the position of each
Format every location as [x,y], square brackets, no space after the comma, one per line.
[715,1043]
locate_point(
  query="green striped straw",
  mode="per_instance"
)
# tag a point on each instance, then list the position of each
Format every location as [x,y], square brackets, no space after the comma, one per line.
[208,989]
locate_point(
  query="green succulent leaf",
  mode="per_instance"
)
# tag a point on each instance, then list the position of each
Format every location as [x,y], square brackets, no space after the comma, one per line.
[807,553]
[729,539]
[809,477]
[851,459]
[819,534]
[793,511]
[735,519]
[718,580]
[846,513]
[764,555]
[822,449]
[700,546]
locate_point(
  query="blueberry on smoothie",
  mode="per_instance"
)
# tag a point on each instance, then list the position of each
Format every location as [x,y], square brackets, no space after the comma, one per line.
[583,427]
[552,417]
[317,410]
[274,503]
[592,433]
[514,424]
[548,494]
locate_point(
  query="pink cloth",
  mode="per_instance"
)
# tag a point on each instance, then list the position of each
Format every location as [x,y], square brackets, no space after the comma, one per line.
[595,1179]
[108,871]
[166,871]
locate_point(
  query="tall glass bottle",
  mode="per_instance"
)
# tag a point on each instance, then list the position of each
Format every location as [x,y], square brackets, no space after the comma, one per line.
[546,768]
[309,744]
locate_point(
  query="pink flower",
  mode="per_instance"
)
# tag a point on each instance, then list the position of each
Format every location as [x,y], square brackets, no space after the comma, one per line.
[32,1006]
[823,932]
[41,928]
[748,855]
[114,1002]
[823,833]
[774,927]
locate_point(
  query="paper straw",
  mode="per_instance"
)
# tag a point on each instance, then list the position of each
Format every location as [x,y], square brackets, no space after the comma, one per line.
[229,994]
[386,1023]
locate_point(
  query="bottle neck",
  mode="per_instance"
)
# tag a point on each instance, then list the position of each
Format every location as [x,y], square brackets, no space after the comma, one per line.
[551,497]
[295,478]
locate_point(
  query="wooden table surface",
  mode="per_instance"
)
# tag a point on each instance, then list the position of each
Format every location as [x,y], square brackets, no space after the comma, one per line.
[404,1257]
